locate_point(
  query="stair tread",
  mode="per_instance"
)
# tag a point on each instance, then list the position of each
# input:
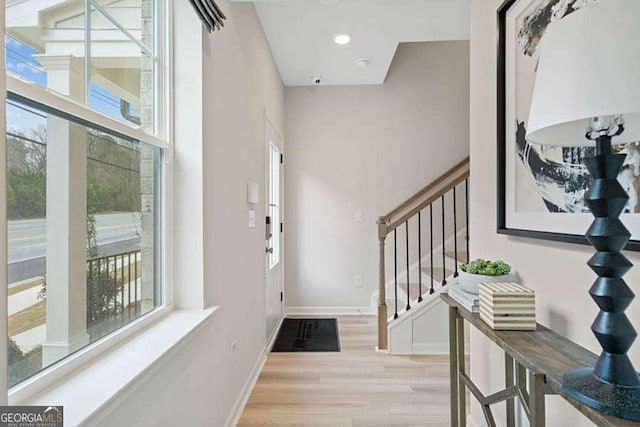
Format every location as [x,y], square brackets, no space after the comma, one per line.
[415,287]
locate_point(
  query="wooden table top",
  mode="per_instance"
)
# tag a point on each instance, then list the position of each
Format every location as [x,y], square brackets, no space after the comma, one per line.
[544,352]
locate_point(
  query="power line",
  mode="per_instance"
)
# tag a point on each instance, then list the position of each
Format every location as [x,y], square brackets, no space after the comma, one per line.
[103,162]
[28,110]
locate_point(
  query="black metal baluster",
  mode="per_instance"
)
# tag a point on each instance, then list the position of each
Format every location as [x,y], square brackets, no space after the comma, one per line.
[431,291]
[419,256]
[89,293]
[455,234]
[406,232]
[113,276]
[135,286]
[466,204]
[395,270]
[444,260]
[129,285]
[122,283]
[100,289]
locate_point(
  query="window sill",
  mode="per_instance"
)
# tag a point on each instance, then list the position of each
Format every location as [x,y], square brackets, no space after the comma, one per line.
[118,370]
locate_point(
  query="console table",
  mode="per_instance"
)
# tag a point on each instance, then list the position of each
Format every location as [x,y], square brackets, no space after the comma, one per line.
[542,355]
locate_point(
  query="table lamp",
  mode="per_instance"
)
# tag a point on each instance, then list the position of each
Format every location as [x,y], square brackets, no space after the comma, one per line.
[587,93]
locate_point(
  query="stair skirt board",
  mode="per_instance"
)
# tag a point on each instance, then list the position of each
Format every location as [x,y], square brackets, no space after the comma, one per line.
[417,331]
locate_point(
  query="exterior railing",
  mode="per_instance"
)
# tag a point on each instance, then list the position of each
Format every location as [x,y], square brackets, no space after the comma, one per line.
[441,193]
[113,287]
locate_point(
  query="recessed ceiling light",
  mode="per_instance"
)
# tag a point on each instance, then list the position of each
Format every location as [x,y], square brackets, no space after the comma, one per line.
[342,39]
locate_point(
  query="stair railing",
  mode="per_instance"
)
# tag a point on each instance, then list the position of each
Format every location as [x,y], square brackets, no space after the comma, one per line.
[442,191]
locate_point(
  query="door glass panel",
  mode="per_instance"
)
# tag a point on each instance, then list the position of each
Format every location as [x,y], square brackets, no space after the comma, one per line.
[274,204]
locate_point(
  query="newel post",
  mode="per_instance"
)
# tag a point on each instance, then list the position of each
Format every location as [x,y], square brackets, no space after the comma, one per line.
[382,296]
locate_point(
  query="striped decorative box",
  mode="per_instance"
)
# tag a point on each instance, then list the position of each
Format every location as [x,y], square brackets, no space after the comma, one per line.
[508,306]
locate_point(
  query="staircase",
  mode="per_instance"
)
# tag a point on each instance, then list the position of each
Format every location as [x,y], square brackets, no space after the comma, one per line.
[422,243]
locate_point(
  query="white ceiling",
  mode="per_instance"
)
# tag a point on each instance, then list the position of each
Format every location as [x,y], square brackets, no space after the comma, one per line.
[301,32]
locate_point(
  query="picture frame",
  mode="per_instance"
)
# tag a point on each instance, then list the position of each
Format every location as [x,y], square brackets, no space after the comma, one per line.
[541,189]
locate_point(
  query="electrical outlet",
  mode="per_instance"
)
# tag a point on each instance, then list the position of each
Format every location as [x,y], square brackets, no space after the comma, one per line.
[359,281]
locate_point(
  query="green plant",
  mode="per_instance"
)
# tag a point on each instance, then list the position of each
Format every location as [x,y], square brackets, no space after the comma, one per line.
[486,268]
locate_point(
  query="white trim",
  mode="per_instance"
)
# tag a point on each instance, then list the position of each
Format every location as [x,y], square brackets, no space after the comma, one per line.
[130,366]
[247,389]
[188,211]
[4,300]
[330,311]
[430,348]
[62,103]
[243,398]
[274,335]
[61,370]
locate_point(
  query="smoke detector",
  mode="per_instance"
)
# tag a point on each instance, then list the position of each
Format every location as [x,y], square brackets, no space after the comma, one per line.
[363,63]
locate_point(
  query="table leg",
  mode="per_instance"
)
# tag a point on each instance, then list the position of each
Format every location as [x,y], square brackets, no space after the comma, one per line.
[462,404]
[509,381]
[453,365]
[536,399]
[521,382]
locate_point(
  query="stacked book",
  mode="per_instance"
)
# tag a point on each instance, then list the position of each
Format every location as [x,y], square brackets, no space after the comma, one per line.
[508,306]
[469,301]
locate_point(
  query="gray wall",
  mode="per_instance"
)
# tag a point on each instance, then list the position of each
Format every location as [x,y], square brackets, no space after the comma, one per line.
[557,272]
[366,148]
[201,381]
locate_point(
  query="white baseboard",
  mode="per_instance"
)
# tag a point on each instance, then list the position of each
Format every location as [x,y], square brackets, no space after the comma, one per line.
[330,311]
[273,337]
[243,398]
[430,348]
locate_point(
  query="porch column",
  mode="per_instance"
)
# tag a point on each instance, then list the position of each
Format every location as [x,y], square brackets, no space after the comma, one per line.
[147,167]
[66,275]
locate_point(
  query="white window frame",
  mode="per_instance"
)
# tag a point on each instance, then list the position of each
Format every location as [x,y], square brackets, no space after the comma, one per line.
[163,125]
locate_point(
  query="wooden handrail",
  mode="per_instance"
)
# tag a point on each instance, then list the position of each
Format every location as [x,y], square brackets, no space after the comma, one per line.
[424,197]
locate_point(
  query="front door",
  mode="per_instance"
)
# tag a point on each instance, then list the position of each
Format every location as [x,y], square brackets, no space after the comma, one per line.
[274,261]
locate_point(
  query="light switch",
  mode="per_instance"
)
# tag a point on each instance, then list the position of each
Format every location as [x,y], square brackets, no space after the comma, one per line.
[359,282]
[253,193]
[359,216]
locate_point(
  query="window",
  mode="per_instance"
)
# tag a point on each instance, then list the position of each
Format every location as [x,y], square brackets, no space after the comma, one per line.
[84,189]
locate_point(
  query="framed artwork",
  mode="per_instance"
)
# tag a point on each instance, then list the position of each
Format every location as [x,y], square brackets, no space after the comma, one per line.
[541,188]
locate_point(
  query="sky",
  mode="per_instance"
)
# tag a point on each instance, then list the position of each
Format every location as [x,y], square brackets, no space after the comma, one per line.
[21,61]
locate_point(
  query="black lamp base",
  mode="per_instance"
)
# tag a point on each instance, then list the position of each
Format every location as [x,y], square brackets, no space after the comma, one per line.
[611,399]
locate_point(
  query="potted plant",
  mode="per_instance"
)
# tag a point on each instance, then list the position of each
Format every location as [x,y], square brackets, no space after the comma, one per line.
[483,271]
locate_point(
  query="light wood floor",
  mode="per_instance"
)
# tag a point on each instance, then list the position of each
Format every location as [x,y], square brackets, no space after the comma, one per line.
[355,387]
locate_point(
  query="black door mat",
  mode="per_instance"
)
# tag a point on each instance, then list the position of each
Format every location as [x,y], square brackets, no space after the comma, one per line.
[297,335]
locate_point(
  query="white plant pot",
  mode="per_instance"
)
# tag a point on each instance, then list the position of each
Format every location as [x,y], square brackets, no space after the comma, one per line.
[471,282]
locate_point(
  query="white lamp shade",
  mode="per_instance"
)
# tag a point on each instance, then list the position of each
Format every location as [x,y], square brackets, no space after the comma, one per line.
[589,66]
